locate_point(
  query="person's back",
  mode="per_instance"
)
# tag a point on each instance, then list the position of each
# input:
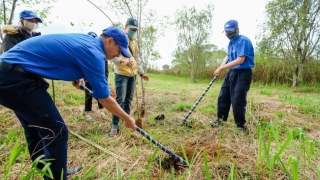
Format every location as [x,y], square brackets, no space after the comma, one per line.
[47,50]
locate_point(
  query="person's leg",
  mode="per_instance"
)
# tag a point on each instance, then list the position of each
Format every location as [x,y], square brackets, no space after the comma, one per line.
[30,100]
[126,105]
[101,109]
[121,90]
[224,101]
[88,100]
[99,105]
[33,138]
[240,85]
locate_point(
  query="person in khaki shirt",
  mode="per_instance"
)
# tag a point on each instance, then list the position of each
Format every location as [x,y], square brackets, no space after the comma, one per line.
[126,70]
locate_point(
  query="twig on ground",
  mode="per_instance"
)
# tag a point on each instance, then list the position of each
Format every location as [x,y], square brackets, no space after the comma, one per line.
[99,147]
[134,164]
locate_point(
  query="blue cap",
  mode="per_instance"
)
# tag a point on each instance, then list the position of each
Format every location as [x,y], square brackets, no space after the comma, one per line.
[120,37]
[93,34]
[26,14]
[230,25]
[132,23]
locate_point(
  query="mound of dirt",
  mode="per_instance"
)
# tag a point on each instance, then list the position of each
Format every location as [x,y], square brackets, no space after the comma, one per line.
[212,150]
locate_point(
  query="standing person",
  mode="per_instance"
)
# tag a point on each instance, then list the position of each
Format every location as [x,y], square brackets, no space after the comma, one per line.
[126,70]
[15,34]
[88,97]
[236,84]
[65,57]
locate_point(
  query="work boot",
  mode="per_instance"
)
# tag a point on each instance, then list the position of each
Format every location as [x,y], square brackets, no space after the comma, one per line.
[216,123]
[74,170]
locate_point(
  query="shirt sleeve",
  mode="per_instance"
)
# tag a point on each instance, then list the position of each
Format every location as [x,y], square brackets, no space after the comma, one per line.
[243,47]
[92,64]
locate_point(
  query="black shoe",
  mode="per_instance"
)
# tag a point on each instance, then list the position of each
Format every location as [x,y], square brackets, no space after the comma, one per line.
[74,170]
[216,123]
[243,129]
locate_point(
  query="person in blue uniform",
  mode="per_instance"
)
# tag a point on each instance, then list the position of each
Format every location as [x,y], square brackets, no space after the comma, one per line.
[66,57]
[236,83]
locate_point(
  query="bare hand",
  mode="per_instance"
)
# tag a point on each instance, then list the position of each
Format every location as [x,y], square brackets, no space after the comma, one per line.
[78,83]
[217,72]
[130,123]
[145,77]
[127,62]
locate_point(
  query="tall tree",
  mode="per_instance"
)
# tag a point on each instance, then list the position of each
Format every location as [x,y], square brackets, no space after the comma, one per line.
[293,29]
[193,28]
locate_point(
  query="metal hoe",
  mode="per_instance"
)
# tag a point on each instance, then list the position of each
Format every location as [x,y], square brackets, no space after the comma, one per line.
[163,148]
[198,101]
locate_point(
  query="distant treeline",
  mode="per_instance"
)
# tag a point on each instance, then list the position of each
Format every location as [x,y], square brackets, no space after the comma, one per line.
[265,72]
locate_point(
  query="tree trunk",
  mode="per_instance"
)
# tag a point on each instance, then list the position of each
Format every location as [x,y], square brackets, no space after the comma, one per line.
[12,11]
[297,75]
[4,13]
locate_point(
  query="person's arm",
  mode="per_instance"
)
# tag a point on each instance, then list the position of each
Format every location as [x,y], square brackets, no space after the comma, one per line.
[234,63]
[113,107]
[225,60]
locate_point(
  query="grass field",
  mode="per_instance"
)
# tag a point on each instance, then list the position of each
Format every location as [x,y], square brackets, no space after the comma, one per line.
[283,140]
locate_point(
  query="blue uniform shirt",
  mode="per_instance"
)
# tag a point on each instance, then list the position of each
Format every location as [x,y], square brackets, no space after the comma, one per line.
[63,57]
[241,46]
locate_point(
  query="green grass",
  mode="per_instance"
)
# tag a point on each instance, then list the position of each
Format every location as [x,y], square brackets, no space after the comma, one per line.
[306,103]
[282,142]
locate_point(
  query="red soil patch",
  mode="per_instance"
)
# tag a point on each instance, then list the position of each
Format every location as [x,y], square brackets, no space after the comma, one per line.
[213,151]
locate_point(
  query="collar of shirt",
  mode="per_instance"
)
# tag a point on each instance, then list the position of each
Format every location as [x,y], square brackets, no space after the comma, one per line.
[101,43]
[235,39]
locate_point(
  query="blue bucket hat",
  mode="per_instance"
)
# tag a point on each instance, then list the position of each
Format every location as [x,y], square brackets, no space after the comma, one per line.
[120,37]
[26,14]
[230,25]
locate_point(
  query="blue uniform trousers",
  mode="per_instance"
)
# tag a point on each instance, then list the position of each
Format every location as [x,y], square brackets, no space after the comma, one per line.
[45,131]
[233,92]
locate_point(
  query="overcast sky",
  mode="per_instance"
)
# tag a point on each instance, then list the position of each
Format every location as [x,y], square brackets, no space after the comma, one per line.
[249,13]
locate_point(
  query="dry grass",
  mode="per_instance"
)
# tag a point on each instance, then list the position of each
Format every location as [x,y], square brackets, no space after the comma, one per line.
[174,97]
